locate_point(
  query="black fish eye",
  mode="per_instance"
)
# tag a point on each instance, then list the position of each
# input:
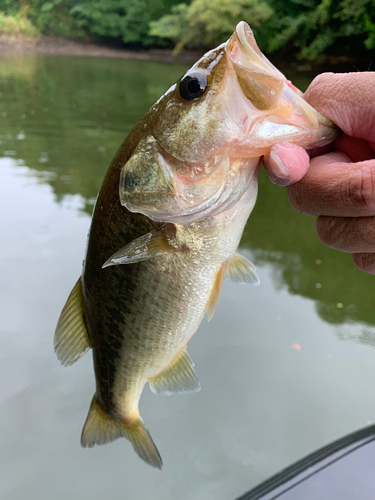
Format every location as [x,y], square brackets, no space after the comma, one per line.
[193,86]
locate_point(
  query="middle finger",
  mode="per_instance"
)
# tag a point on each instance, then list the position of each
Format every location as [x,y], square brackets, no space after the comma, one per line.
[336,186]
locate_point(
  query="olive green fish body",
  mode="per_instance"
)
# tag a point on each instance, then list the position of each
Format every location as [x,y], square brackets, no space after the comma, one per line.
[166,226]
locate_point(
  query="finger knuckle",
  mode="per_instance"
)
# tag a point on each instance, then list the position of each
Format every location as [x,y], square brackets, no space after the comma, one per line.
[333,232]
[360,191]
[365,262]
[295,198]
[324,229]
[318,88]
[367,231]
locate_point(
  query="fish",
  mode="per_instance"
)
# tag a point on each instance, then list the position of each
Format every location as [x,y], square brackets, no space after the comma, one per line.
[166,226]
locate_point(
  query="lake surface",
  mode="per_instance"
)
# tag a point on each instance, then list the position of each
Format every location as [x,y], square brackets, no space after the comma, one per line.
[285,367]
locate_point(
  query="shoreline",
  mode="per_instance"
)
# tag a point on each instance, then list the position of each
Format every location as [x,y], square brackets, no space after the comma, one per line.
[47,45]
[53,46]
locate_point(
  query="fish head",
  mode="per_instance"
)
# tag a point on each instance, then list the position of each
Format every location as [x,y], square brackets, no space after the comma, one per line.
[204,138]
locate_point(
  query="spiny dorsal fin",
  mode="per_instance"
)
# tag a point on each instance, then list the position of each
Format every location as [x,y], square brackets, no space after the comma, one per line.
[241,270]
[216,291]
[158,242]
[101,428]
[179,377]
[71,338]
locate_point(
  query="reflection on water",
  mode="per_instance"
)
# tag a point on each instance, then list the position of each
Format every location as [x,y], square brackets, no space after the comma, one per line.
[65,117]
[365,336]
[287,239]
[278,381]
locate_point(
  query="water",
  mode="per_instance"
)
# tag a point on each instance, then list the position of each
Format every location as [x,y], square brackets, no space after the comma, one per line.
[285,367]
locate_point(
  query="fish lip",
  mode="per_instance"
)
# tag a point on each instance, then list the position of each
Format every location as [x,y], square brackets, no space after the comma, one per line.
[243,42]
[233,47]
[244,34]
[245,54]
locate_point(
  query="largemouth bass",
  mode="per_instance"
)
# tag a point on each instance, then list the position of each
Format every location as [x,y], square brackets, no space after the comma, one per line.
[166,227]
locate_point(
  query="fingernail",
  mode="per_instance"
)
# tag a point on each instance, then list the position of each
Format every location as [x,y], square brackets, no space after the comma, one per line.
[282,177]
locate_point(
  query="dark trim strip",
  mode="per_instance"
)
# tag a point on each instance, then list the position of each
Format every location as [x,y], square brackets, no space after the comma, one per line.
[283,480]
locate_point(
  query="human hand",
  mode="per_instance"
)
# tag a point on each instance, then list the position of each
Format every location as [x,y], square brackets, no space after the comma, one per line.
[339,184]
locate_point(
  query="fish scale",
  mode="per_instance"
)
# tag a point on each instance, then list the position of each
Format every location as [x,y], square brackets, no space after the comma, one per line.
[151,285]
[166,226]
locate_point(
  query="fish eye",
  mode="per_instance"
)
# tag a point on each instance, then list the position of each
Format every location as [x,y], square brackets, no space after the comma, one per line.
[193,86]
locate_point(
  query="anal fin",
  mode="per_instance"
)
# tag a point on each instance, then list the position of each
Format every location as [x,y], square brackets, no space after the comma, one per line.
[241,270]
[179,377]
[71,338]
[216,291]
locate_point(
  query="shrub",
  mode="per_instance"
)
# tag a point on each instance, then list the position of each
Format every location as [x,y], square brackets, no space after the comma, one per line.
[17,24]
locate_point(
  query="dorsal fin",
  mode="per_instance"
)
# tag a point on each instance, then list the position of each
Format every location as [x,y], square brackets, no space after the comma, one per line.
[179,377]
[158,242]
[241,270]
[216,291]
[71,338]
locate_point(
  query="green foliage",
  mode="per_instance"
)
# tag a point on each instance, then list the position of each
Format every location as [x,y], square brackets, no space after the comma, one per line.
[218,18]
[159,8]
[316,26]
[358,17]
[120,19]
[17,24]
[173,26]
[311,27]
[206,23]
[54,17]
[126,20]
[10,7]
[307,28]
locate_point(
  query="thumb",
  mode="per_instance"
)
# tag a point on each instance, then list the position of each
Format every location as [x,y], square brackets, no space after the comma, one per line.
[348,100]
[286,163]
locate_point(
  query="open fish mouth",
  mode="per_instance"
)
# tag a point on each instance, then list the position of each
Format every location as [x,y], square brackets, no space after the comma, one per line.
[283,113]
[259,80]
[203,150]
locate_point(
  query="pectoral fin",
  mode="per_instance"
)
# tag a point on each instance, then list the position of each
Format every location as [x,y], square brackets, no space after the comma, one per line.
[216,291]
[158,242]
[179,377]
[241,270]
[71,338]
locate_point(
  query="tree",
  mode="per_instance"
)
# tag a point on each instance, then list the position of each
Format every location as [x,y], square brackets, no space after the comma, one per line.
[317,26]
[206,23]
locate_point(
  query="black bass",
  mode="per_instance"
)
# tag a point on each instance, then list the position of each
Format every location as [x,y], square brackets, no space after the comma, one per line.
[173,207]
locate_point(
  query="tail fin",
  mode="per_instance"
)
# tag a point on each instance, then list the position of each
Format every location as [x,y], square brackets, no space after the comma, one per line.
[101,428]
